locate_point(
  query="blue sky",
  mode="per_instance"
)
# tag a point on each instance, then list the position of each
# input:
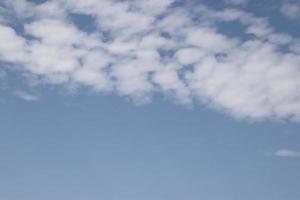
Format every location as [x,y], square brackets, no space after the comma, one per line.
[158,100]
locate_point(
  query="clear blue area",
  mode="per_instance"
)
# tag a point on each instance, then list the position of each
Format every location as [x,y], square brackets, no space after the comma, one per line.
[106,148]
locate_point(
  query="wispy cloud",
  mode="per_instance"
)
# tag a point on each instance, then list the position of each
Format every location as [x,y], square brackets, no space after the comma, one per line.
[237,2]
[26,96]
[139,48]
[290,9]
[287,153]
[2,75]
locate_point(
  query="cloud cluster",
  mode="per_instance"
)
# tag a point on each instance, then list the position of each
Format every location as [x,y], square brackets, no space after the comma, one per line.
[139,48]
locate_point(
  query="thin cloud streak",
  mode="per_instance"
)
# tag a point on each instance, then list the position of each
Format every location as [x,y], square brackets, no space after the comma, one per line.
[287,153]
[26,96]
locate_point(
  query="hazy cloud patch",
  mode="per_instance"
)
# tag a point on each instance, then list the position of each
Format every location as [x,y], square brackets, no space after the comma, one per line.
[290,9]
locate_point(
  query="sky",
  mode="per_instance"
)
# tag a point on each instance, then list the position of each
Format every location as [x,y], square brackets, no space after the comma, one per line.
[150,100]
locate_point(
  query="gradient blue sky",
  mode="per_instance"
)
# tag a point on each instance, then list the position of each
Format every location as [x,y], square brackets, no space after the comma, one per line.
[172,139]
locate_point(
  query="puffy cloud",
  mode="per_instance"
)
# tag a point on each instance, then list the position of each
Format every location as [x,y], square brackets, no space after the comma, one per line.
[138,48]
[54,32]
[254,81]
[169,81]
[154,7]
[287,153]
[209,40]
[12,48]
[190,55]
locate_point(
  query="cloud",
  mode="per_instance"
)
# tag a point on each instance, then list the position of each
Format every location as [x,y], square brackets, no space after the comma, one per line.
[2,75]
[287,153]
[26,96]
[290,9]
[3,80]
[237,2]
[142,48]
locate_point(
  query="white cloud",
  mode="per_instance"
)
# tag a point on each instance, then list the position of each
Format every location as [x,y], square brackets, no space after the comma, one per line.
[287,153]
[54,32]
[26,96]
[153,6]
[187,56]
[139,48]
[169,82]
[209,40]
[12,48]
[280,39]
